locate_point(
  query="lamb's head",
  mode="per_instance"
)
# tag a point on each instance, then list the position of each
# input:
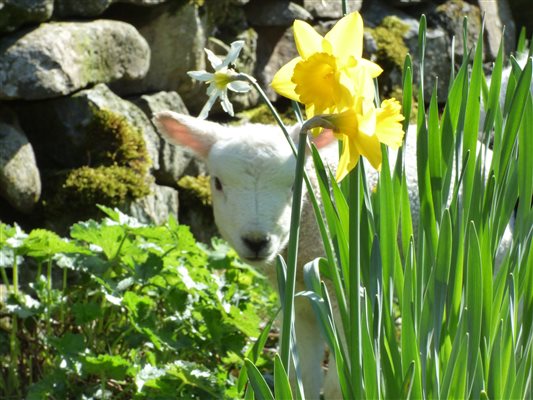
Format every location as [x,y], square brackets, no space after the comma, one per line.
[252,174]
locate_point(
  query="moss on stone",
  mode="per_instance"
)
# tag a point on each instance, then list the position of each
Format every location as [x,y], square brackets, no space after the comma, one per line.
[112,140]
[118,170]
[108,185]
[198,186]
[262,115]
[391,48]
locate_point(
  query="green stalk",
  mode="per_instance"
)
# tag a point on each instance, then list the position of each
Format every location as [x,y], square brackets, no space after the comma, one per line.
[354,331]
[292,253]
[13,343]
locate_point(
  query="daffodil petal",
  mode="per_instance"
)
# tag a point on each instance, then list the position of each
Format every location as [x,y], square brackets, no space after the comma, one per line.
[388,123]
[200,75]
[226,104]
[233,53]
[367,119]
[371,68]
[308,41]
[347,35]
[349,158]
[370,148]
[208,105]
[282,82]
[215,61]
[239,86]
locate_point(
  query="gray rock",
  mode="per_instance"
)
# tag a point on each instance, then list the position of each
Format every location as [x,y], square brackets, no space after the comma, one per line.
[59,58]
[20,181]
[330,9]
[156,207]
[16,13]
[437,61]
[275,47]
[176,37]
[60,128]
[276,13]
[174,161]
[450,16]
[497,17]
[91,8]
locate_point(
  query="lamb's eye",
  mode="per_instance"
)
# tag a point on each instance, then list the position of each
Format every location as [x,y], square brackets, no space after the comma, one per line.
[218,184]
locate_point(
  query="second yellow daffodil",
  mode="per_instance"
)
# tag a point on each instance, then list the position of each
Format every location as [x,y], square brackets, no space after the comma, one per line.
[330,70]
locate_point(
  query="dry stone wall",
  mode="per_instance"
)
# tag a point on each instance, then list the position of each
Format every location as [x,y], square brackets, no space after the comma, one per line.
[80,80]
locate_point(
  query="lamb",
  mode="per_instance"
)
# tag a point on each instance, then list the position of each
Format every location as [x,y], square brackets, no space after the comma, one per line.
[252,173]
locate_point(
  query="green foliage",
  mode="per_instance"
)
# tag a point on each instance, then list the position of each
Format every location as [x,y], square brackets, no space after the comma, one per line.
[136,312]
[465,299]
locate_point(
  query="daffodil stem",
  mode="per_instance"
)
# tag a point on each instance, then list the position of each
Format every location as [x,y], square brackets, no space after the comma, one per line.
[292,252]
[251,80]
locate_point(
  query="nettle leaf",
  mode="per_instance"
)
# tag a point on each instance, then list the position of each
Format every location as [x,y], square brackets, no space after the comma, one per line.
[104,365]
[23,306]
[69,344]
[43,244]
[150,268]
[110,239]
[139,306]
[86,312]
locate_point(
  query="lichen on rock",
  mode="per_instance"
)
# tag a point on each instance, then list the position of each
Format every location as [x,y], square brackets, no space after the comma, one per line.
[391,47]
[197,186]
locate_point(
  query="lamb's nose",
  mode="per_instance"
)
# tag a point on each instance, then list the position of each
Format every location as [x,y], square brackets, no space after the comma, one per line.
[256,243]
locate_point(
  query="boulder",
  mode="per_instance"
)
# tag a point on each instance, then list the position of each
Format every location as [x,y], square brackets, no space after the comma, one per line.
[275,13]
[61,129]
[176,36]
[16,13]
[275,47]
[91,8]
[450,16]
[174,161]
[20,181]
[497,17]
[330,9]
[60,58]
[156,207]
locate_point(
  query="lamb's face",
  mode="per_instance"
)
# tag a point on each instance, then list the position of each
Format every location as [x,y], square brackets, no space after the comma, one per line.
[251,184]
[252,175]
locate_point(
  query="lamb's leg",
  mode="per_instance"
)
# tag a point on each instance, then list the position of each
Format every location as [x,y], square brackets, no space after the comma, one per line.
[310,349]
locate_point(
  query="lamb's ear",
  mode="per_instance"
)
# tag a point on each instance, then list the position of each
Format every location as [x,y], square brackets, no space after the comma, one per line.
[324,138]
[196,134]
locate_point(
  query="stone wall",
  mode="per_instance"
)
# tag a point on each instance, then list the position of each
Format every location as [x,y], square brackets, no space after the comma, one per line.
[80,80]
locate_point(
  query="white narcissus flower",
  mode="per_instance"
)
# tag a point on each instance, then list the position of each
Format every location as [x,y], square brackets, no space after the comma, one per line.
[221,80]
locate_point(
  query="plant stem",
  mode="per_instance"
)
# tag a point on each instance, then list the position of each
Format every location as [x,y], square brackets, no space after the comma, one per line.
[354,331]
[292,253]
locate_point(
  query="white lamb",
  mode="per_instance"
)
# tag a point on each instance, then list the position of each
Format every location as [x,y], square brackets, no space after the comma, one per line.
[252,173]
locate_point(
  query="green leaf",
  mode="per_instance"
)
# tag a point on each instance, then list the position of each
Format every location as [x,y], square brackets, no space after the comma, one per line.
[282,388]
[110,367]
[261,389]
[474,299]
[85,313]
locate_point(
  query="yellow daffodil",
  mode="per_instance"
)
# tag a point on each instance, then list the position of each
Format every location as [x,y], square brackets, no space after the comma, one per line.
[330,70]
[363,128]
